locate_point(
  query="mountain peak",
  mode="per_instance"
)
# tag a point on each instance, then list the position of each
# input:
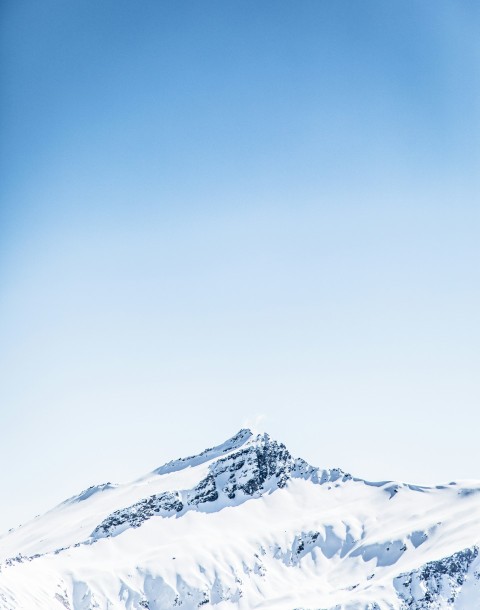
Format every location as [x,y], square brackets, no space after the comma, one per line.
[236,441]
[244,524]
[243,467]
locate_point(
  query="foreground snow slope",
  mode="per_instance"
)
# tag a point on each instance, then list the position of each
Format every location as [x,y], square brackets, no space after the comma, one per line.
[245,525]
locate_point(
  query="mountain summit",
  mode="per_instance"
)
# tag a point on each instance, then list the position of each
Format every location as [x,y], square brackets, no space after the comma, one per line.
[246,525]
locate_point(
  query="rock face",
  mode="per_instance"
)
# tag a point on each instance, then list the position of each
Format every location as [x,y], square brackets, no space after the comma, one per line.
[163,505]
[259,466]
[250,471]
[437,584]
[246,525]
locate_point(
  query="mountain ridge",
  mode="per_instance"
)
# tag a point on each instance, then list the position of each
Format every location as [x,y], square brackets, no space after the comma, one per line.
[244,524]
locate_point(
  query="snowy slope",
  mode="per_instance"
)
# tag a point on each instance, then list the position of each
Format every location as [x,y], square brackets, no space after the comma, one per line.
[246,525]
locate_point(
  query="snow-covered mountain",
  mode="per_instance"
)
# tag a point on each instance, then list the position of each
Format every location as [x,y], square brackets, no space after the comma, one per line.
[246,525]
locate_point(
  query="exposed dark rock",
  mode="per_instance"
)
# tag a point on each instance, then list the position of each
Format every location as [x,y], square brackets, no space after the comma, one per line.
[437,583]
[253,466]
[161,504]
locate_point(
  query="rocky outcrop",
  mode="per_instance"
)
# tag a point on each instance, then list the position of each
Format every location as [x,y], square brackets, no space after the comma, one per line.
[261,465]
[164,504]
[437,584]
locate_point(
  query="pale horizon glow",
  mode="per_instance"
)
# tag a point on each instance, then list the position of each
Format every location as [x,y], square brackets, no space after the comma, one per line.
[232,213]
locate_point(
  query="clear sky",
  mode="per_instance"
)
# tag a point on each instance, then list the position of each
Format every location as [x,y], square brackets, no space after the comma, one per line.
[220,212]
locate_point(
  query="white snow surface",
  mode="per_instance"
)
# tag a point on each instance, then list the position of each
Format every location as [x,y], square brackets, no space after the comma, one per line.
[245,525]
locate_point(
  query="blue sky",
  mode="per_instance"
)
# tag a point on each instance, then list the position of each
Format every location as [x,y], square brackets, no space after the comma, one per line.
[218,213]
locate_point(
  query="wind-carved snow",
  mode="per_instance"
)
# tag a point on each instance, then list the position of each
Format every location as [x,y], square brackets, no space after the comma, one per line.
[89,492]
[305,543]
[246,525]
